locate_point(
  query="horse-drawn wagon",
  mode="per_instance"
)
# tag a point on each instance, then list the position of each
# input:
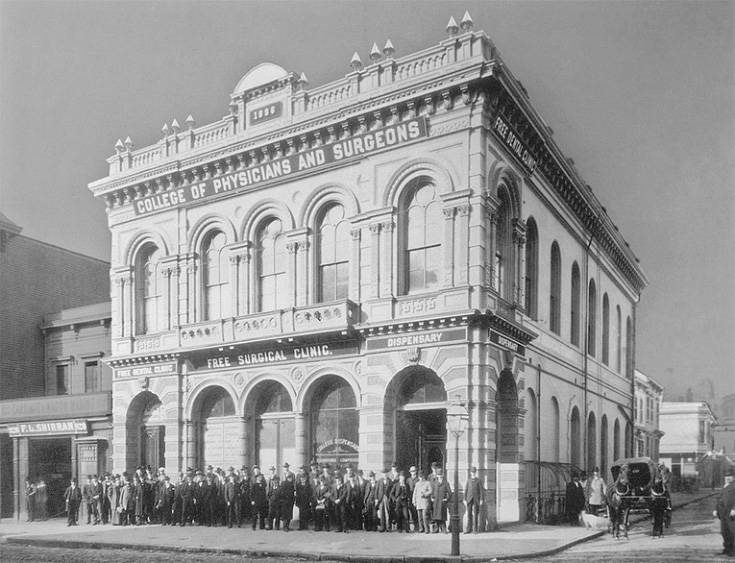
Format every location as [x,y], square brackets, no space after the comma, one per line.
[638,486]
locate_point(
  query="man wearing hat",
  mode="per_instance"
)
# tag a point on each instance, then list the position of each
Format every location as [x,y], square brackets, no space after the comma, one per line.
[411,481]
[258,498]
[474,498]
[72,498]
[725,511]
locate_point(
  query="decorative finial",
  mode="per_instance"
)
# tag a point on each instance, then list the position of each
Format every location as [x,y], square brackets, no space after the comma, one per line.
[375,53]
[388,50]
[119,146]
[165,130]
[190,122]
[452,27]
[466,22]
[175,126]
[356,62]
[303,80]
[128,143]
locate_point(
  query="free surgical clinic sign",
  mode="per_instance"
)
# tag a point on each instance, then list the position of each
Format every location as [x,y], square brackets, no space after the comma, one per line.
[76,426]
[262,172]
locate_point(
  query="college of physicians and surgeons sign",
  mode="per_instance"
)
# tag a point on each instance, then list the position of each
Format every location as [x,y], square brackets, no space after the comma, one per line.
[46,428]
[260,173]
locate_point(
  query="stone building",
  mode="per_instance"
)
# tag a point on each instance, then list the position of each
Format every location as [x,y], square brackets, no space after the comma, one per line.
[320,274]
[688,437]
[648,398]
[724,431]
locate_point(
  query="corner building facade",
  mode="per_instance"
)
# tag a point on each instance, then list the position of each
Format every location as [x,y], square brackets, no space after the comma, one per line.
[318,275]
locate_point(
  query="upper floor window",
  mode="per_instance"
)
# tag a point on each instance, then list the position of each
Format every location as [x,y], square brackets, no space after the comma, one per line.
[618,335]
[504,253]
[62,379]
[592,319]
[422,234]
[91,377]
[333,254]
[214,276]
[147,289]
[555,290]
[271,260]
[531,282]
[576,303]
[628,347]
[605,330]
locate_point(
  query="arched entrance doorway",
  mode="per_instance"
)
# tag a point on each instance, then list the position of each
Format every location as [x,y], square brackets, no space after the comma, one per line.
[272,426]
[217,429]
[417,399]
[146,432]
[334,422]
[507,431]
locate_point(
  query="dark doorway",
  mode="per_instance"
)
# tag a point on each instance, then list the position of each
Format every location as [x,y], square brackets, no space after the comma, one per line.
[421,438]
[50,459]
[152,446]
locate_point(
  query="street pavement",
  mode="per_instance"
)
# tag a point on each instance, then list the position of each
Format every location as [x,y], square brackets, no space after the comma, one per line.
[520,541]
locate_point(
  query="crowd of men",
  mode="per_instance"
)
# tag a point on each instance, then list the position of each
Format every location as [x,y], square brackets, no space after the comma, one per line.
[340,500]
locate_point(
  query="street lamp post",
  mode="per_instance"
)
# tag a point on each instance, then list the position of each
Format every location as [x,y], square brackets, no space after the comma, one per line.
[456,422]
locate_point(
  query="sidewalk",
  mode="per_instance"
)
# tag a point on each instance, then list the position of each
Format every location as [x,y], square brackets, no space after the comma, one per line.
[516,541]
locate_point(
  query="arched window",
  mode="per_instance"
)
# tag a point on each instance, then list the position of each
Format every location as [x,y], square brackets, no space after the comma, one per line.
[603,446]
[334,421]
[530,423]
[591,442]
[605,330]
[618,337]
[333,254]
[531,285]
[616,440]
[628,347]
[147,289]
[422,236]
[214,276]
[576,303]
[628,446]
[591,319]
[575,438]
[504,256]
[555,290]
[555,430]
[271,259]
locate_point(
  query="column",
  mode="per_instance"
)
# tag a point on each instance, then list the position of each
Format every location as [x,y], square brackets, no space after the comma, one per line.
[129,292]
[300,440]
[386,262]
[463,242]
[354,290]
[234,260]
[519,238]
[163,300]
[242,441]
[173,308]
[491,206]
[190,449]
[118,307]
[448,246]
[302,275]
[291,248]
[374,258]
[244,299]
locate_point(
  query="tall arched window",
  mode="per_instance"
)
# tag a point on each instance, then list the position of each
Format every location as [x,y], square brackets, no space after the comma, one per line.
[591,442]
[555,430]
[530,423]
[147,289]
[214,276]
[271,260]
[531,285]
[555,290]
[618,339]
[616,440]
[422,235]
[575,305]
[628,347]
[605,330]
[575,438]
[603,446]
[504,255]
[591,319]
[333,254]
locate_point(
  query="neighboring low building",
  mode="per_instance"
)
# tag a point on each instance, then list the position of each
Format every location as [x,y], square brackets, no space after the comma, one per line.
[724,431]
[648,398]
[687,429]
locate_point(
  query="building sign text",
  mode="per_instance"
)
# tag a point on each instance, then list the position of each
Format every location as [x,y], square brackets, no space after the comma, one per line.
[77,426]
[423,338]
[504,132]
[505,342]
[146,370]
[265,113]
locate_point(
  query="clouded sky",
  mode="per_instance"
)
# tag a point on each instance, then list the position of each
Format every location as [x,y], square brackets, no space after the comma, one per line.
[639,94]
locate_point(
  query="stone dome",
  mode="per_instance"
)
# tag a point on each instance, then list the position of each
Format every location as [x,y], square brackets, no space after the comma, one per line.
[260,75]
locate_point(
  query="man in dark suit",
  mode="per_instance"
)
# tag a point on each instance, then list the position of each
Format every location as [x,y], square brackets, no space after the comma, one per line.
[575,499]
[259,500]
[164,498]
[382,496]
[232,493]
[73,498]
[725,511]
[474,498]
[341,496]
[185,492]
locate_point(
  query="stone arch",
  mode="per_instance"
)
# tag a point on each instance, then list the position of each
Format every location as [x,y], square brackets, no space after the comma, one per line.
[504,178]
[197,394]
[269,419]
[246,397]
[217,428]
[324,195]
[436,169]
[307,386]
[144,431]
[265,208]
[143,238]
[204,225]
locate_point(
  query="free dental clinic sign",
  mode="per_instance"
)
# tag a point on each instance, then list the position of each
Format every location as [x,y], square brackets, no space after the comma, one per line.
[260,173]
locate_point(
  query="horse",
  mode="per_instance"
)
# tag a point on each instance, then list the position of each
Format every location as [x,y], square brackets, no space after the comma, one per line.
[617,506]
[658,504]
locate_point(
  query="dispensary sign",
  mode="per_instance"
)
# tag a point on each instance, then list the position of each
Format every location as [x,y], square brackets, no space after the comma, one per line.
[260,173]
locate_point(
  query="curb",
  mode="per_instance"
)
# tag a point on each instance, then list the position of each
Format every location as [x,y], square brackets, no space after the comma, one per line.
[320,556]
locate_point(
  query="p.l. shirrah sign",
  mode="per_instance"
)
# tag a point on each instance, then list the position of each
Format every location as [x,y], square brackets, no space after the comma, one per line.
[505,342]
[260,173]
[51,427]
[506,134]
[242,358]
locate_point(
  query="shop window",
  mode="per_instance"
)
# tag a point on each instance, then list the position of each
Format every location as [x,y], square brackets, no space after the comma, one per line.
[91,377]
[422,234]
[576,303]
[214,276]
[62,380]
[333,254]
[531,282]
[555,290]
[271,260]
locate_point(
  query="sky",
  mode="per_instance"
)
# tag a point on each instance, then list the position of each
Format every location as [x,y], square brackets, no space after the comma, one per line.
[640,95]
